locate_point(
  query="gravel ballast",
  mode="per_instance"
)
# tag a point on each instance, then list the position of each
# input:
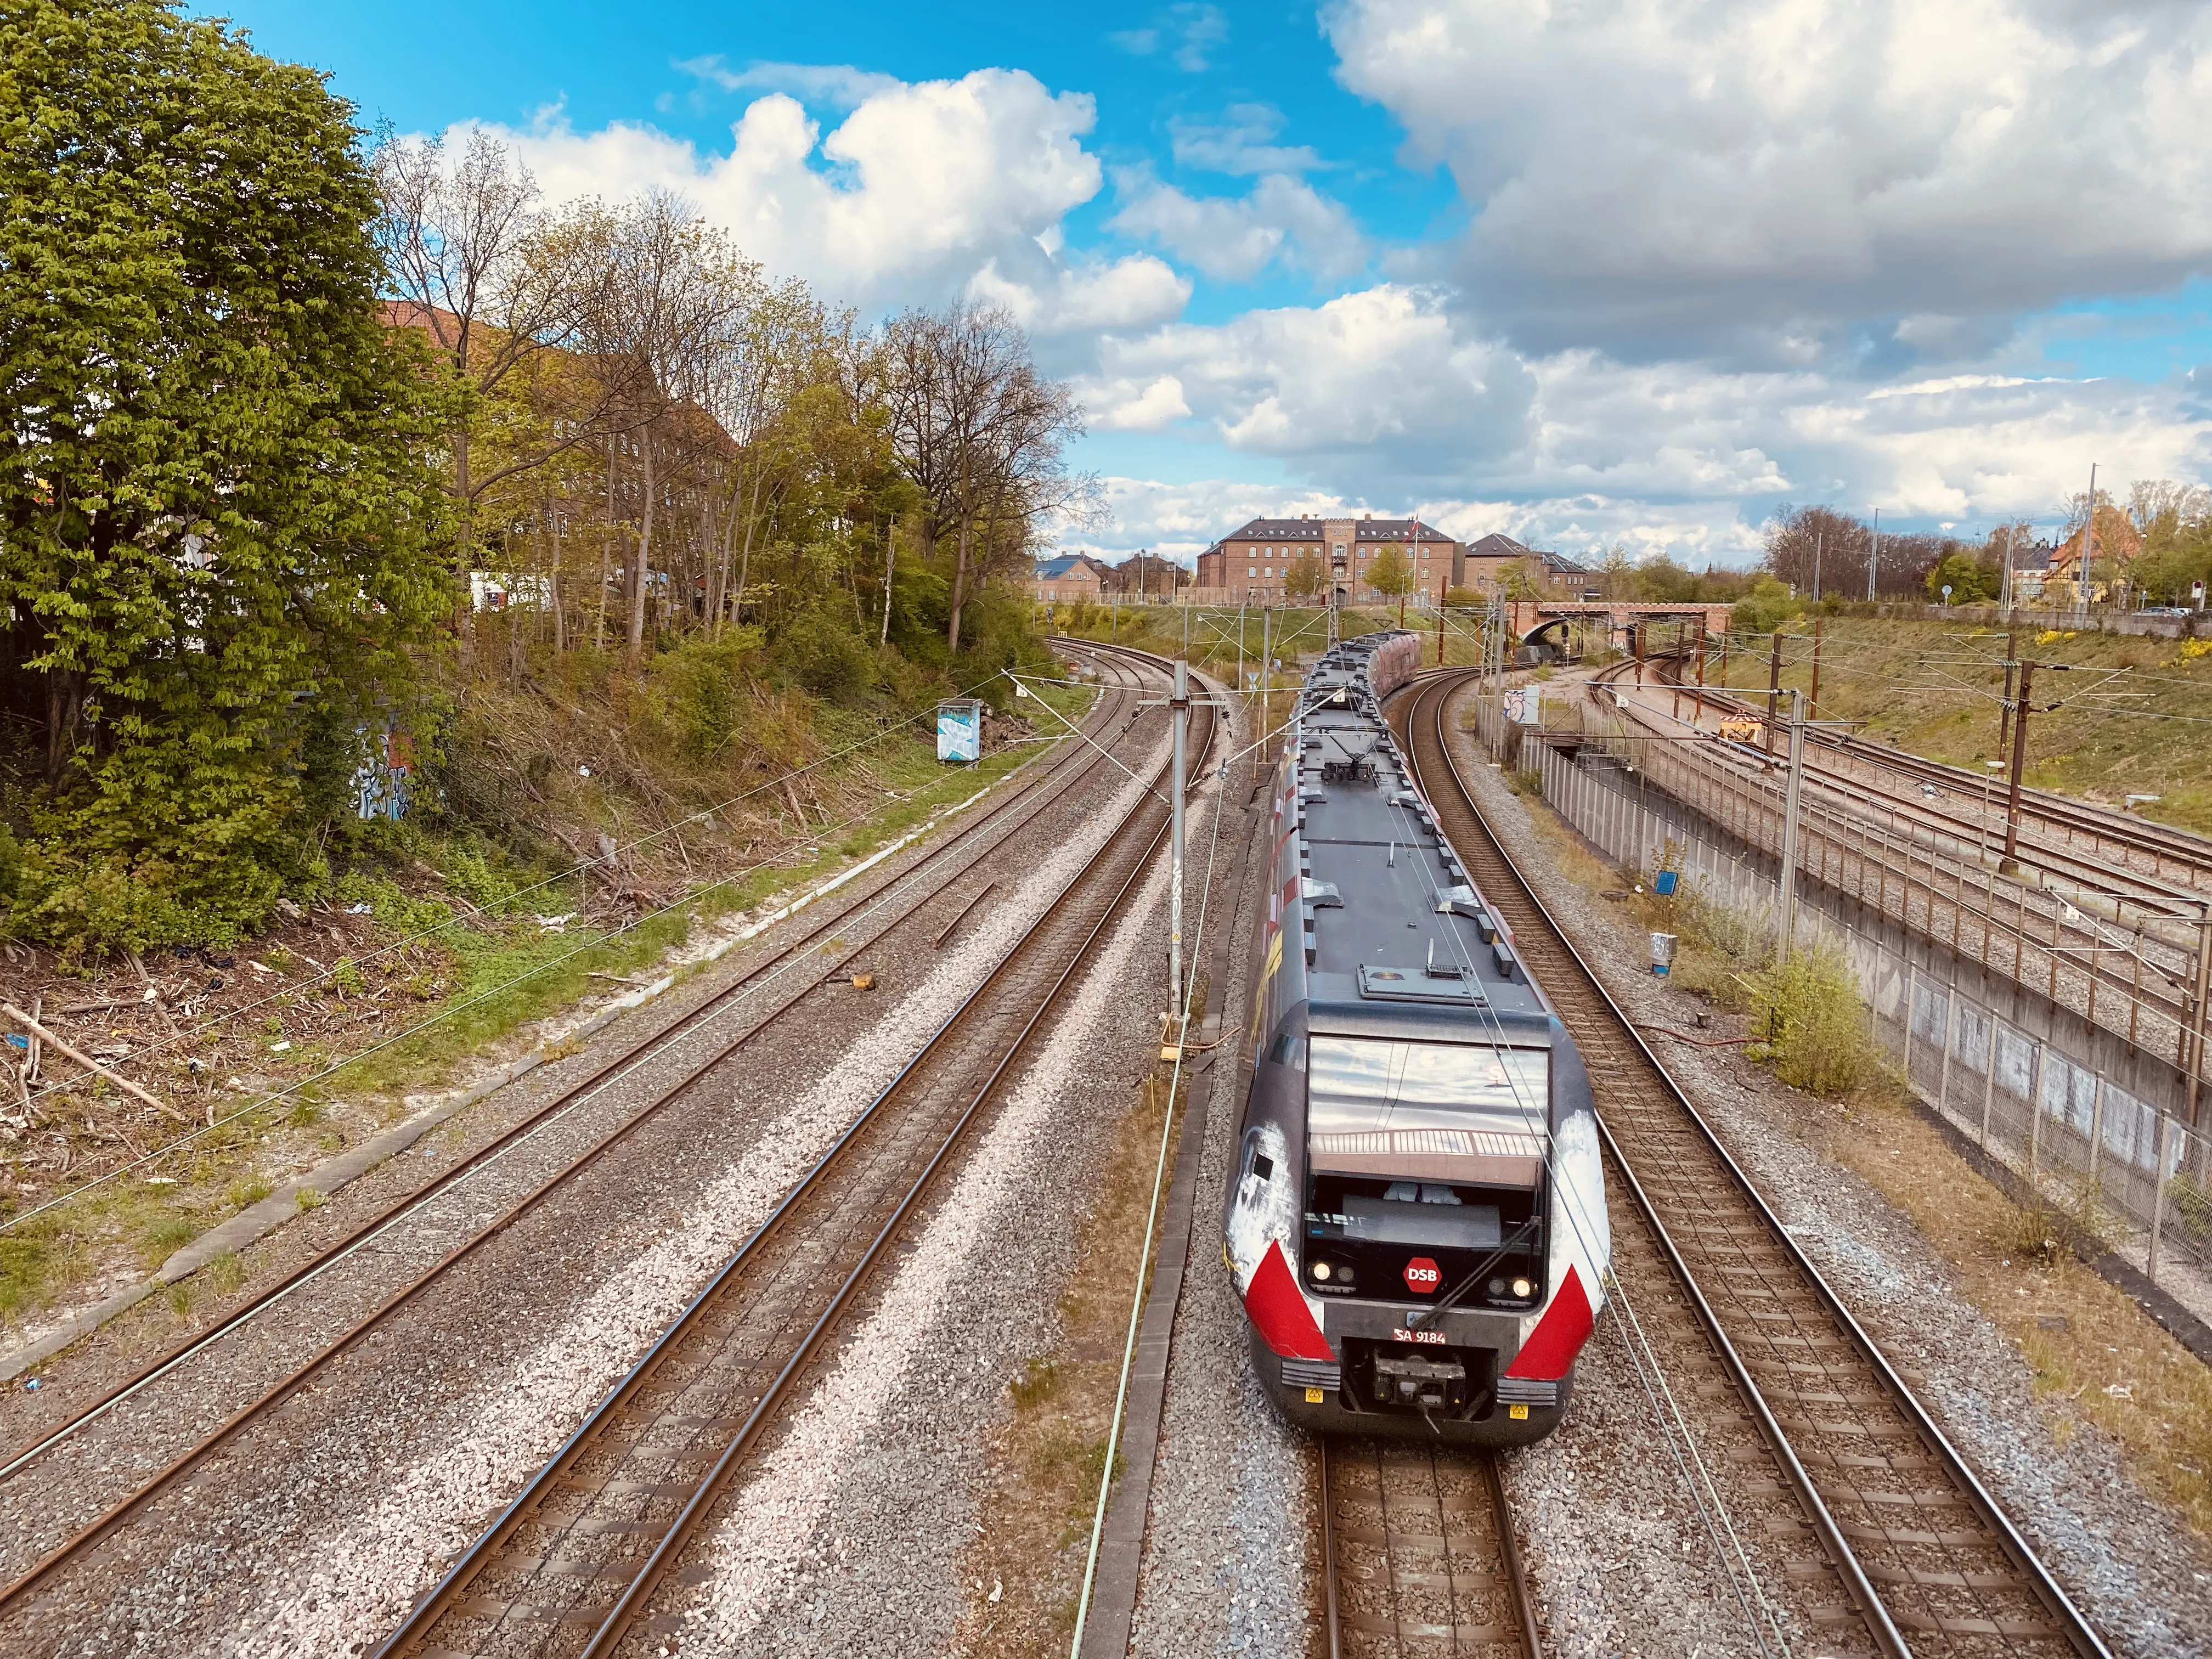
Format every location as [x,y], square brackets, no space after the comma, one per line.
[866,1489]
[522,1415]
[347,1497]
[2140,1575]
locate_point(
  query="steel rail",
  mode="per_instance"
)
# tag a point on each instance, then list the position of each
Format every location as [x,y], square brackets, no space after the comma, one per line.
[1513,1576]
[821,925]
[116,1513]
[2159,842]
[426,1614]
[2072,1625]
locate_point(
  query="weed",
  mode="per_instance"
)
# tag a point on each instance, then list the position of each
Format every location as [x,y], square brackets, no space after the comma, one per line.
[179,1298]
[308,1198]
[164,1237]
[303,1113]
[2043,1232]
[1040,1381]
[1526,781]
[245,1195]
[225,1271]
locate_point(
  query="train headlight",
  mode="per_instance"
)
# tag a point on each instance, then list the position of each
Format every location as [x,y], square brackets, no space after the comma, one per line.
[1319,1270]
[1344,1274]
[1522,1287]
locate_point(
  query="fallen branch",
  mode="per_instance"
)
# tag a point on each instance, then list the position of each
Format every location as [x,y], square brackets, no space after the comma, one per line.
[88,1063]
[1700,1043]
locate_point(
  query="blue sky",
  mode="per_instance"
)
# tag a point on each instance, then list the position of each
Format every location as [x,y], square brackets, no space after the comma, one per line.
[1636,271]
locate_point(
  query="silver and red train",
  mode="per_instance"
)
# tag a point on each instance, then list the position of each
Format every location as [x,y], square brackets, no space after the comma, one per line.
[1415,1215]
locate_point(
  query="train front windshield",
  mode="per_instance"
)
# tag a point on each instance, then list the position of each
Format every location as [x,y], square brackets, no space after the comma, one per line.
[1423,1161]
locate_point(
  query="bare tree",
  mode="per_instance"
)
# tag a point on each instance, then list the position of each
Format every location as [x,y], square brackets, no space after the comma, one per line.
[981,435]
[2161,510]
[1803,541]
[673,286]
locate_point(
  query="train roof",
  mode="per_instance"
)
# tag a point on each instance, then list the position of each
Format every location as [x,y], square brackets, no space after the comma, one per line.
[1400,942]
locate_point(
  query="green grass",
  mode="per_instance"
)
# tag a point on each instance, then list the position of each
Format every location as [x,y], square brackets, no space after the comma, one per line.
[1932,688]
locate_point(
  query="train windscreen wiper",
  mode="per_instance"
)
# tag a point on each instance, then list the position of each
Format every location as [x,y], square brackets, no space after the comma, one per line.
[1421,1318]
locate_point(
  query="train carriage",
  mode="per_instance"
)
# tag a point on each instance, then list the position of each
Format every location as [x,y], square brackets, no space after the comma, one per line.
[1415,1216]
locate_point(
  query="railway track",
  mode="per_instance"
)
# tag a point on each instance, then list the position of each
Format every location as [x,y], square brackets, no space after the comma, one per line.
[573,1564]
[1419,1557]
[2078,841]
[1924,1555]
[838,933]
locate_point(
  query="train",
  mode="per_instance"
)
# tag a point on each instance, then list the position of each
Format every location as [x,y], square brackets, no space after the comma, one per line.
[1414,1217]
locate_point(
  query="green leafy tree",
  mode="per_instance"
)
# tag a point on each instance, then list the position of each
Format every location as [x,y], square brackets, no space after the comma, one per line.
[1305,578]
[1963,575]
[1392,576]
[214,491]
[1520,580]
[1765,607]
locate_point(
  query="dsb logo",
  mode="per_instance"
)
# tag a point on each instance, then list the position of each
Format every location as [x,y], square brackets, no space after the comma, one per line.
[1422,1276]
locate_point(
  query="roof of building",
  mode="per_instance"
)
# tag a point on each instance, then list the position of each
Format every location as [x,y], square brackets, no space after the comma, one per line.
[1047,568]
[1497,546]
[1367,529]
[1275,529]
[1399,530]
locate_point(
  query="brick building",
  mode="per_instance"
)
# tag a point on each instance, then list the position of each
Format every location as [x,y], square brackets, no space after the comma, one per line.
[1068,580]
[1250,562]
[1551,571]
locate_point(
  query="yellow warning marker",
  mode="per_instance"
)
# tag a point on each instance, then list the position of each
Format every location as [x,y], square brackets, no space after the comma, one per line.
[1313,1396]
[1519,1413]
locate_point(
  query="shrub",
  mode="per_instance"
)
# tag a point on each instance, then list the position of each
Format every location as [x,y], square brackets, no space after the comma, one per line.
[701,694]
[1765,608]
[819,653]
[1814,1024]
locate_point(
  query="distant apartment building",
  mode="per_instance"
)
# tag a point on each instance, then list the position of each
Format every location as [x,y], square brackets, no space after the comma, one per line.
[1251,563]
[1488,558]
[1146,575]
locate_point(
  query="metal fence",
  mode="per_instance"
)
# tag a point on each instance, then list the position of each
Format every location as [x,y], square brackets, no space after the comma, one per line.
[2129,967]
[2123,1171]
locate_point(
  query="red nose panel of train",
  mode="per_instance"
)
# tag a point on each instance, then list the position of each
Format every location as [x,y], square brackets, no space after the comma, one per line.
[1551,1348]
[1279,1313]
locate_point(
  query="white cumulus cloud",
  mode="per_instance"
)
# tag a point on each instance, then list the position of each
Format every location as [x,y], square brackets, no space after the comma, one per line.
[1130,292]
[915,192]
[1236,239]
[1694,175]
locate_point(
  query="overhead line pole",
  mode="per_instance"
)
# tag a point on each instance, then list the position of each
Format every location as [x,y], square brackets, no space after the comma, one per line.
[1182,707]
[2011,861]
[1773,689]
[1786,920]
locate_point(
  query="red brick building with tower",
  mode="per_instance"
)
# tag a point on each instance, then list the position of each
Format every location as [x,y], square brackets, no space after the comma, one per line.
[1249,564]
